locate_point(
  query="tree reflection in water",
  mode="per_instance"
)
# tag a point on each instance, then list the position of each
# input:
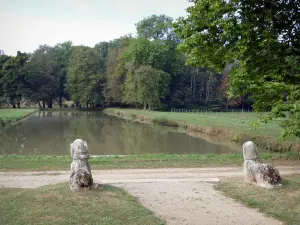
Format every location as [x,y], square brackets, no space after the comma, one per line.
[50,133]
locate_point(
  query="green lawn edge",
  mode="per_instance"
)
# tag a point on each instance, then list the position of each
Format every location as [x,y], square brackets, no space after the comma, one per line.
[24,113]
[44,163]
[56,204]
[282,203]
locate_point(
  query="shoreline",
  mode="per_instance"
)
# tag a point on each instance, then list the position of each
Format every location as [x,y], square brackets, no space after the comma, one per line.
[10,123]
[268,143]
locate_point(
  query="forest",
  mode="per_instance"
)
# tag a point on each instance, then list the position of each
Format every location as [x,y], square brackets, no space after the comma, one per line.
[146,71]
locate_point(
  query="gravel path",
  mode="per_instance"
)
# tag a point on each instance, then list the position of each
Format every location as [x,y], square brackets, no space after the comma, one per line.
[194,203]
[179,196]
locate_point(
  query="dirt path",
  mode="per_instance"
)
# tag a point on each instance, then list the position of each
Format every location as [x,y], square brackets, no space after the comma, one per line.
[179,196]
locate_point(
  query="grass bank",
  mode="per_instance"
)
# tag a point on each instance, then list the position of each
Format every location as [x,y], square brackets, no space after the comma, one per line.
[56,204]
[235,126]
[282,202]
[8,116]
[44,163]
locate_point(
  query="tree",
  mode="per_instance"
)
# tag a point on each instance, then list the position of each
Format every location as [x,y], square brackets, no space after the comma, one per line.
[146,86]
[262,37]
[156,27]
[140,54]
[116,71]
[86,80]
[62,52]
[43,77]
[13,78]
[158,53]
[3,59]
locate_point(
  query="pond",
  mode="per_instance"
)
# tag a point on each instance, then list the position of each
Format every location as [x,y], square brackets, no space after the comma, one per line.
[50,133]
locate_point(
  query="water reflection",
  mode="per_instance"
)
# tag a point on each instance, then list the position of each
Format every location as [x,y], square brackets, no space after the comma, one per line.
[50,133]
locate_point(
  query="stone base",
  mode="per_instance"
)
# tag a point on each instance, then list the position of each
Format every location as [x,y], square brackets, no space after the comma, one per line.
[261,174]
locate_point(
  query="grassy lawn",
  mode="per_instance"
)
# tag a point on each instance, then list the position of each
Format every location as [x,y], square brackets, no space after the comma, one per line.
[282,203]
[42,163]
[11,115]
[56,204]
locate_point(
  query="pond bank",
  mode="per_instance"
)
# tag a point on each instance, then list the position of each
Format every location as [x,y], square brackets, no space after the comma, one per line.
[233,126]
[10,116]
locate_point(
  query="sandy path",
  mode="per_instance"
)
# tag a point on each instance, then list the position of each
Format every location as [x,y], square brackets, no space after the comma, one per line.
[179,196]
[194,203]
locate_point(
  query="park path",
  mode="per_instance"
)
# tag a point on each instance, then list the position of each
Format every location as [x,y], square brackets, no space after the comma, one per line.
[179,196]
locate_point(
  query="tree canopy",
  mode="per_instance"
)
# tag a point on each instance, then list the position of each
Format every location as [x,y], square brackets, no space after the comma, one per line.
[260,39]
[146,71]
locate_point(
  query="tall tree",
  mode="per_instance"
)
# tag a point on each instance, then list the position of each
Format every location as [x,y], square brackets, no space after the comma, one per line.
[86,79]
[62,53]
[44,80]
[13,80]
[146,86]
[156,27]
[116,71]
[3,59]
[263,37]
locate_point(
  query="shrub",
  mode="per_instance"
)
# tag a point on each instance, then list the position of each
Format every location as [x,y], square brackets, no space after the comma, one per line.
[165,122]
[133,116]
[2,123]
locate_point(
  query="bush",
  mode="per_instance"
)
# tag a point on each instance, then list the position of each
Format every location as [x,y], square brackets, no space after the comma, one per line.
[165,122]
[2,123]
[133,116]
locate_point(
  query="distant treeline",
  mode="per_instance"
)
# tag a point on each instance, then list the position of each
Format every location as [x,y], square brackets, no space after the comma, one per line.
[146,71]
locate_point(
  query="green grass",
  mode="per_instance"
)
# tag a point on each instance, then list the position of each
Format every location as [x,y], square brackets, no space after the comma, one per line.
[282,202]
[8,116]
[56,204]
[43,163]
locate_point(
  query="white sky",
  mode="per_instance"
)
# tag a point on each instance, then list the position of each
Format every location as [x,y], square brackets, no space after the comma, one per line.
[26,24]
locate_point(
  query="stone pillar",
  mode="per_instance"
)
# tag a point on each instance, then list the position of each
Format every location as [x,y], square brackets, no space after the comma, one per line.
[81,176]
[257,172]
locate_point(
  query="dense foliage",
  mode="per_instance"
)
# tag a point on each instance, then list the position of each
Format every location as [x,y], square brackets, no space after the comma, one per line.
[146,71]
[258,42]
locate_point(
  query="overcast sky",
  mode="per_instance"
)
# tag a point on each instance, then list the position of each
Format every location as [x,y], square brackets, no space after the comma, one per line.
[26,24]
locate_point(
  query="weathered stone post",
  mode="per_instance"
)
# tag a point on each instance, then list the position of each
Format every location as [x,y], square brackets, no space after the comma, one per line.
[257,172]
[81,176]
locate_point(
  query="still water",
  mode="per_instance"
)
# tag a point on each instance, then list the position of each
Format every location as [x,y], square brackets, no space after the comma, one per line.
[50,133]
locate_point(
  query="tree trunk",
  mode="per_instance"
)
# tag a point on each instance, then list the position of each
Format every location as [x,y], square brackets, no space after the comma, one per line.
[207,90]
[18,104]
[50,103]
[40,104]
[44,104]
[145,106]
[194,89]
[59,101]
[14,105]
